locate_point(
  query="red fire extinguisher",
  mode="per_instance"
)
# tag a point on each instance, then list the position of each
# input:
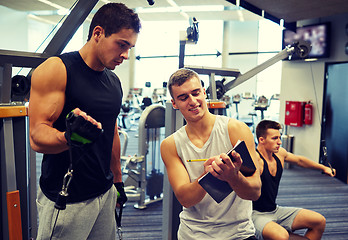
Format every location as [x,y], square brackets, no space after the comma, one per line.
[308,117]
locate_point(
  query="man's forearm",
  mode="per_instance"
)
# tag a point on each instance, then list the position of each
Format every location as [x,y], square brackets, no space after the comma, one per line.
[247,188]
[48,140]
[307,163]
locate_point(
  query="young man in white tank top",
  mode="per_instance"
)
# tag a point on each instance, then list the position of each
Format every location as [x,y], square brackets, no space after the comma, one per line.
[208,136]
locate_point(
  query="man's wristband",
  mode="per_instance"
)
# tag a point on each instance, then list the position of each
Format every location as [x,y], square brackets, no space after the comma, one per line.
[119,185]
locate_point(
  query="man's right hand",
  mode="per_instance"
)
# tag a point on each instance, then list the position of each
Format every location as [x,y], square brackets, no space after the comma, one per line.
[81,128]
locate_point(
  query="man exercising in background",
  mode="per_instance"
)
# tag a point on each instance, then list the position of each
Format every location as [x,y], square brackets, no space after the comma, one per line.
[272,221]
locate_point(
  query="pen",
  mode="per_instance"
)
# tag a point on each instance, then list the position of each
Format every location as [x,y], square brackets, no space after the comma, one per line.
[201,160]
[197,160]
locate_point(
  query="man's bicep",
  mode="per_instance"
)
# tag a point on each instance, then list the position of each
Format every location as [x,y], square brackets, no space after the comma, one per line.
[245,134]
[116,144]
[177,174]
[47,94]
[289,157]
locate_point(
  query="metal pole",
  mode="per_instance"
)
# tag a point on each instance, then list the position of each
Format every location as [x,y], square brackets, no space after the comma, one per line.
[244,77]
[74,20]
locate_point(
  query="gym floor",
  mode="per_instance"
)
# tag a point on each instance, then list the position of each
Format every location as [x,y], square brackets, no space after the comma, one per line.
[299,188]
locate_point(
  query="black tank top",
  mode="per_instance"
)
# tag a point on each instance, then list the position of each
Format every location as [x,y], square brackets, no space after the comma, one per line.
[99,94]
[269,188]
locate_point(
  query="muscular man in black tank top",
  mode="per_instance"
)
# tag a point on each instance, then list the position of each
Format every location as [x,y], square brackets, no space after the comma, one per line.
[82,82]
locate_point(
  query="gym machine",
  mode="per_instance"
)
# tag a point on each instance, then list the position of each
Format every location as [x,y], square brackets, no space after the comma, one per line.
[261,104]
[18,176]
[159,95]
[300,48]
[249,118]
[141,182]
[131,108]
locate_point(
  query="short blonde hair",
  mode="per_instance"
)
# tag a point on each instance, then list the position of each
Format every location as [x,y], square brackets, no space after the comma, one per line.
[179,77]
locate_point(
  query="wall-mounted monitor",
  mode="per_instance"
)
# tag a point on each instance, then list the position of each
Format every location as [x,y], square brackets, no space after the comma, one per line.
[318,35]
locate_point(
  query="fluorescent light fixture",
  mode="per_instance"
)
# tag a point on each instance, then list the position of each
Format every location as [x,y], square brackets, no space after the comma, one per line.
[206,8]
[311,59]
[63,12]
[172,3]
[52,4]
[240,15]
[185,15]
[182,9]
[157,10]
[281,23]
[34,17]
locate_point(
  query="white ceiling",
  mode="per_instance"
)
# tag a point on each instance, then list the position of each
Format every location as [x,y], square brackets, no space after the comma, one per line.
[146,12]
[289,10]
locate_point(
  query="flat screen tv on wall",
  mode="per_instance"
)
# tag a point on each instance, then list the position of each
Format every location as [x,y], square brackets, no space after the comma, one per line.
[318,35]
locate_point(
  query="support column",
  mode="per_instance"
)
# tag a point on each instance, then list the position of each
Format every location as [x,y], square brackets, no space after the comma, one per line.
[131,60]
[225,44]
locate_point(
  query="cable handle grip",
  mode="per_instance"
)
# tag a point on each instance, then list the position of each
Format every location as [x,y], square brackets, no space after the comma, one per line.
[60,203]
[80,131]
[118,222]
[70,117]
[326,160]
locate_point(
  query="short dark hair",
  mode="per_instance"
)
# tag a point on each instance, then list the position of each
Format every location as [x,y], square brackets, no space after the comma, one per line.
[264,125]
[179,77]
[113,17]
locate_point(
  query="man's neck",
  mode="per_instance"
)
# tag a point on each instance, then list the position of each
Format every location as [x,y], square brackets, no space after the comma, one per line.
[200,130]
[268,155]
[89,57]
[202,124]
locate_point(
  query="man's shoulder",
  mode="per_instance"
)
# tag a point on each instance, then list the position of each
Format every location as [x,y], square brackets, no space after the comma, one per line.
[235,124]
[70,58]
[112,75]
[168,145]
[48,71]
[168,140]
[281,154]
[71,53]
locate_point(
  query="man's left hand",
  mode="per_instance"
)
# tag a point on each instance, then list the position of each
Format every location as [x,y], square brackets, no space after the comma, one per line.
[330,172]
[122,197]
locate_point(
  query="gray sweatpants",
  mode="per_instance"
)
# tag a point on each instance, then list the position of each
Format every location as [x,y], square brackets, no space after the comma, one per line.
[91,219]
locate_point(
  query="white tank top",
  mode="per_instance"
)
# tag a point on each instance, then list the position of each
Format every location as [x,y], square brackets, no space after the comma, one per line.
[231,218]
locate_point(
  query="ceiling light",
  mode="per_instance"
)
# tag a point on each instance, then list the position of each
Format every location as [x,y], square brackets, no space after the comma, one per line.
[52,4]
[172,3]
[41,19]
[311,59]
[63,12]
[240,15]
